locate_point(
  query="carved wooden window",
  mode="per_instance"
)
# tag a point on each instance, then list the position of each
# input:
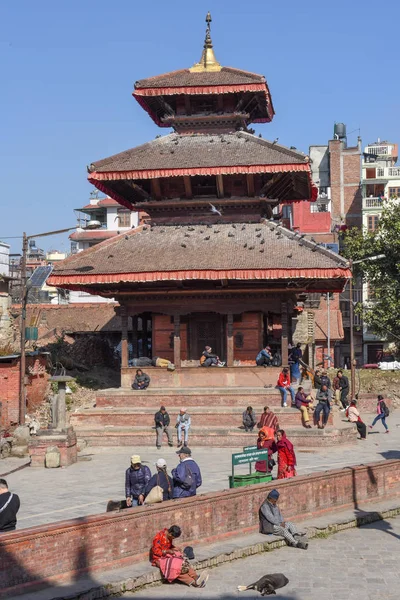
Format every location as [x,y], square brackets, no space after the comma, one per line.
[239,340]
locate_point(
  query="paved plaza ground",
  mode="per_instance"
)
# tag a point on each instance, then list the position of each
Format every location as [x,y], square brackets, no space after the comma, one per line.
[49,495]
[359,564]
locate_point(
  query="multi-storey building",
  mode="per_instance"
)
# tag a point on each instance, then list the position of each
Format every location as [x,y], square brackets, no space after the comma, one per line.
[101,219]
[380,182]
[336,171]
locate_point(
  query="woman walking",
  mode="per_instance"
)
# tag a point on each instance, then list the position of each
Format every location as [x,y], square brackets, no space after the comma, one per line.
[382,412]
[286,456]
[265,441]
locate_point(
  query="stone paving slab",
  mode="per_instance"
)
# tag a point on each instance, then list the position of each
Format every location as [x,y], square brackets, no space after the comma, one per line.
[49,495]
[140,576]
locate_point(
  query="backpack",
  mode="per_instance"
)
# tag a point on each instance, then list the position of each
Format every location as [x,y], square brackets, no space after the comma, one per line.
[189,479]
[385,409]
[202,359]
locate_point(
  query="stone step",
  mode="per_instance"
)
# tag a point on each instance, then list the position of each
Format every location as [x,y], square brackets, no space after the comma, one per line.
[154,397]
[217,437]
[200,416]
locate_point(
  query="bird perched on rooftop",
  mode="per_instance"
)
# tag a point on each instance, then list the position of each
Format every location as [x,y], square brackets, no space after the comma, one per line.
[207,237]
[275,141]
[183,245]
[266,585]
[258,235]
[215,210]
[290,255]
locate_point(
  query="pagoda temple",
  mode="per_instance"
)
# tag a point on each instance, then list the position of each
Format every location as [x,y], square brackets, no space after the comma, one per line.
[212,266]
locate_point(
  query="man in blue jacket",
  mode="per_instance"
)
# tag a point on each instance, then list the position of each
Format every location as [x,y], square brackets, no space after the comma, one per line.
[187,475]
[136,479]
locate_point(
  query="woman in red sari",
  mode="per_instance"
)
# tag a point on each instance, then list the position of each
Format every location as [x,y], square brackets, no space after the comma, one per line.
[286,456]
[265,441]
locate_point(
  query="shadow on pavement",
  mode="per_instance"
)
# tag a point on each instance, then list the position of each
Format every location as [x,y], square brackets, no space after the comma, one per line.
[390,454]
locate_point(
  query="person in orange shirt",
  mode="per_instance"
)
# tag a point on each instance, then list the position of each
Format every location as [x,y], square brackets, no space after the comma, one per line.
[284,386]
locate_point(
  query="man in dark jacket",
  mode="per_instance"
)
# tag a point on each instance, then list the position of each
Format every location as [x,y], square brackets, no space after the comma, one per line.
[323,399]
[162,421]
[187,475]
[209,359]
[272,521]
[141,381]
[9,506]
[162,479]
[325,379]
[249,419]
[136,479]
[344,389]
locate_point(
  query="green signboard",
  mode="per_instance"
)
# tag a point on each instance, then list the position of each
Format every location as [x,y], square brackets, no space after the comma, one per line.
[243,458]
[249,448]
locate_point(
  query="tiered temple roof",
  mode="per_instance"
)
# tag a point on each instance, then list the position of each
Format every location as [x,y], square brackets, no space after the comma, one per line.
[232,252]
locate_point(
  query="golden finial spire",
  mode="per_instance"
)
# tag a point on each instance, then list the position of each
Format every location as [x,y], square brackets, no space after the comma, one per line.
[208,62]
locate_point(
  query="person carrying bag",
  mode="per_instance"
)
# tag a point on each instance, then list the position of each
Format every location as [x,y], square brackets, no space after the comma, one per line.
[160,486]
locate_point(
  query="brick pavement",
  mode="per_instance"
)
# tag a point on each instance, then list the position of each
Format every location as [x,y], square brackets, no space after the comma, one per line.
[84,488]
[358,564]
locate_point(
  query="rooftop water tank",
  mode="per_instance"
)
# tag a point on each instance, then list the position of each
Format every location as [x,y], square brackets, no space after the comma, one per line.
[93,225]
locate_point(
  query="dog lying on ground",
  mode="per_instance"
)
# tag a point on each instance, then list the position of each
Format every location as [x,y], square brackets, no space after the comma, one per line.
[267,584]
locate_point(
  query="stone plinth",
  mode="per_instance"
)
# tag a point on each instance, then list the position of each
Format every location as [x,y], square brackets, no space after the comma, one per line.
[197,377]
[64,441]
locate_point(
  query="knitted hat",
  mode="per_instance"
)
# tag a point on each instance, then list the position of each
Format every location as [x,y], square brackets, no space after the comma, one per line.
[274,494]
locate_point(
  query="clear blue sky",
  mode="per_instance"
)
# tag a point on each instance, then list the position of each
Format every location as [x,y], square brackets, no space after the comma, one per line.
[67,71]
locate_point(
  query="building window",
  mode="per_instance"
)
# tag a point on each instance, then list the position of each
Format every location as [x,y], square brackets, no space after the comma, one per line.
[318,207]
[124,217]
[372,222]
[394,192]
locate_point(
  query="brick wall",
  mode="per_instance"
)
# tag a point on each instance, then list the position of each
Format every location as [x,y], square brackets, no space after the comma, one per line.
[9,387]
[58,551]
[350,177]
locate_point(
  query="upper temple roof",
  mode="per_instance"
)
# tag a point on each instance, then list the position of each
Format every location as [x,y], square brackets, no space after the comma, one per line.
[186,78]
[200,150]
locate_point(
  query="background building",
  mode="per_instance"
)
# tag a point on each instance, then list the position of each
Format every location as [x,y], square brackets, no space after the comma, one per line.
[336,171]
[380,182]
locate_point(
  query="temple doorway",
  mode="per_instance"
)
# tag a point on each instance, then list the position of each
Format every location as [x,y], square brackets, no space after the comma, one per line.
[206,329]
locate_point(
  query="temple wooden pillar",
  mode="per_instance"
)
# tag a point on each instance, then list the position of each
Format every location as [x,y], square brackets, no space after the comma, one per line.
[124,337]
[177,340]
[285,333]
[229,340]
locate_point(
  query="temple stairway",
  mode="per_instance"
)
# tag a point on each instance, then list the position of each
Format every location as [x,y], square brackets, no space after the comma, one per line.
[125,417]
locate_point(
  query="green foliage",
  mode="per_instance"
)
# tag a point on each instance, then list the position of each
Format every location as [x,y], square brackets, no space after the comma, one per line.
[383,276]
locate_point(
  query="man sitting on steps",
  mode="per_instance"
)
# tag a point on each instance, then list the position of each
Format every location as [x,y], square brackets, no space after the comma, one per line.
[271,521]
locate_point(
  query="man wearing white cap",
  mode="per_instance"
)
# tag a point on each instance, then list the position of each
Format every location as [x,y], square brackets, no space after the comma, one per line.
[183,426]
[162,479]
[136,479]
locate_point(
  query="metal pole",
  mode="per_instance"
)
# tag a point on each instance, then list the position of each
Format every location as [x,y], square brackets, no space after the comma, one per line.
[329,328]
[352,365]
[22,364]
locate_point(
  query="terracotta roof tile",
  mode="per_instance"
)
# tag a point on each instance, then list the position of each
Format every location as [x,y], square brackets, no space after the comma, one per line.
[200,150]
[78,317]
[108,202]
[183,77]
[92,234]
[199,248]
